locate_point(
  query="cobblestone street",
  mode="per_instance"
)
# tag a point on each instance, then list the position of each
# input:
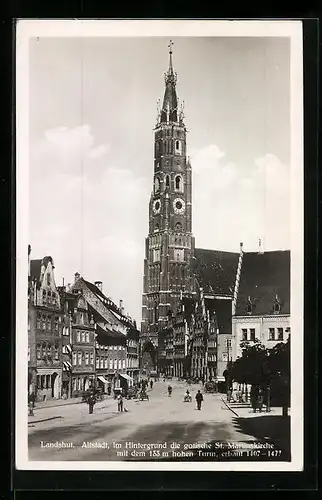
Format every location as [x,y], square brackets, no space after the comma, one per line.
[69,432]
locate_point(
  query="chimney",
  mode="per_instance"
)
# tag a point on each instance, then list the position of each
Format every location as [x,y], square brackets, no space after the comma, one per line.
[29,252]
[99,285]
[241,244]
[260,248]
[76,277]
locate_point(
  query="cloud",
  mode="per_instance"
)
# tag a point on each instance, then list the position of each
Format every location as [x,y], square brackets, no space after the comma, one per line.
[90,221]
[234,203]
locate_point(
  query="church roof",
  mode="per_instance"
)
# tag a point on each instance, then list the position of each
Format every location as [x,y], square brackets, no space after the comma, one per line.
[264,277]
[215,271]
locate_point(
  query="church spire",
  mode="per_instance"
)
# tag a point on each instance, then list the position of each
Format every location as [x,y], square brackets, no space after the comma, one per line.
[169,111]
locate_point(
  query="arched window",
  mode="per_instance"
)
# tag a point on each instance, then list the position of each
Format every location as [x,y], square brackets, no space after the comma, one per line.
[178,183]
[178,226]
[167,181]
[156,184]
[177,145]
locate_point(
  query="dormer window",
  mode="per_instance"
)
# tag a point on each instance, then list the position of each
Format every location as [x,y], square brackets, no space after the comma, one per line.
[249,307]
[277,306]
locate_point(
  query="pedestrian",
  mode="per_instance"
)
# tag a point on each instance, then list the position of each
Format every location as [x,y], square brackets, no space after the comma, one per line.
[120,402]
[229,394]
[260,399]
[151,383]
[254,397]
[91,401]
[169,390]
[31,403]
[199,399]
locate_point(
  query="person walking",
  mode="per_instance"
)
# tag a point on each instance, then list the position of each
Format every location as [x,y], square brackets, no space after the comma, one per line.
[91,401]
[254,397]
[199,399]
[120,402]
[169,390]
[31,402]
[151,384]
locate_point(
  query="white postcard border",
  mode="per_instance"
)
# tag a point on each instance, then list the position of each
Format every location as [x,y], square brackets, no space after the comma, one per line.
[27,29]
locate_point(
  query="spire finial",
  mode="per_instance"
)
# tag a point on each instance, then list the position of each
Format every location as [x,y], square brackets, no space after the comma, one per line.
[170,53]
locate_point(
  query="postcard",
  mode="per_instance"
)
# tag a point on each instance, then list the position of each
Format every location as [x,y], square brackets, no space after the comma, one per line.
[159,320]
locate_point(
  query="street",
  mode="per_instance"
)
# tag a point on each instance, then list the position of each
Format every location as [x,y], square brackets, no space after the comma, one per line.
[163,428]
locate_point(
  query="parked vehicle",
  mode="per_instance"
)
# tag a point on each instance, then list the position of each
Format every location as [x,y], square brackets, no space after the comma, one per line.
[132,393]
[143,396]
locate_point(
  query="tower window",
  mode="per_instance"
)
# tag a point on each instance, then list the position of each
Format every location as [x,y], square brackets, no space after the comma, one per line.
[178,226]
[167,181]
[179,254]
[178,183]
[156,184]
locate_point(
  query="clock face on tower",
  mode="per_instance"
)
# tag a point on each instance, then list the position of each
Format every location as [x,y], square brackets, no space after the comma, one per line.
[156,206]
[179,206]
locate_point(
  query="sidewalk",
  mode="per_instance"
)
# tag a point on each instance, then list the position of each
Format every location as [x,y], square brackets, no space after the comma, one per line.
[57,402]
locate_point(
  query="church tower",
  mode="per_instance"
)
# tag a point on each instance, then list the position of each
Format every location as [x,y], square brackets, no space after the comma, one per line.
[170,244]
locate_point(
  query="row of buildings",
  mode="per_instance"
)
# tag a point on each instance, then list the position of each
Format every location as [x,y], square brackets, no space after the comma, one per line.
[239,298]
[77,337]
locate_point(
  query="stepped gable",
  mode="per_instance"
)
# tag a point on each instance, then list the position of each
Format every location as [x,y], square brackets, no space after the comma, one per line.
[264,277]
[215,271]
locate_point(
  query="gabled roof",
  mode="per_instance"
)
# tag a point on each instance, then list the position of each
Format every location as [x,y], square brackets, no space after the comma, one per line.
[215,271]
[35,266]
[107,336]
[263,277]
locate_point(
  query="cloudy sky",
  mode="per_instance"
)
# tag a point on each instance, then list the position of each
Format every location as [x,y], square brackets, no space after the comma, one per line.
[92,113]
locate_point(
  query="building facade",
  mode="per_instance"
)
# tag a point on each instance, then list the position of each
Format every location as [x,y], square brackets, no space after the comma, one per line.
[45,322]
[262,307]
[170,244]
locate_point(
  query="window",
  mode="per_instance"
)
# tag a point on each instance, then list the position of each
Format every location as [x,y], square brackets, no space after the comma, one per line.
[105,362]
[75,384]
[79,357]
[279,333]
[56,323]
[252,334]
[83,336]
[178,183]
[124,364]
[38,352]
[271,334]
[91,358]
[115,364]
[115,347]
[101,362]
[44,322]
[177,146]
[79,384]
[86,358]
[179,254]
[228,343]
[120,364]
[78,337]
[156,254]
[56,355]
[167,181]
[97,362]
[74,358]
[277,307]
[48,322]
[111,364]
[178,226]
[244,333]
[156,184]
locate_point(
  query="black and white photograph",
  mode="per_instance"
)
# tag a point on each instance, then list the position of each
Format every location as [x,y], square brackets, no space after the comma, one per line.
[159,245]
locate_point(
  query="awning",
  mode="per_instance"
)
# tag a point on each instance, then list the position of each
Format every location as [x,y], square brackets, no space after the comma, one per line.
[127,377]
[102,379]
[67,366]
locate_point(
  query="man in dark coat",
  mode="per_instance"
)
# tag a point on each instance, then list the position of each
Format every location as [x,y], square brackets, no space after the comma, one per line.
[91,401]
[199,399]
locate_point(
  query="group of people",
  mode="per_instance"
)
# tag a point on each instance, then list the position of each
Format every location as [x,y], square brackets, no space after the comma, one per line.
[188,398]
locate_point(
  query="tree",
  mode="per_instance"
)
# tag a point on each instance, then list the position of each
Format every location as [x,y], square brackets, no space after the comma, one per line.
[248,368]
